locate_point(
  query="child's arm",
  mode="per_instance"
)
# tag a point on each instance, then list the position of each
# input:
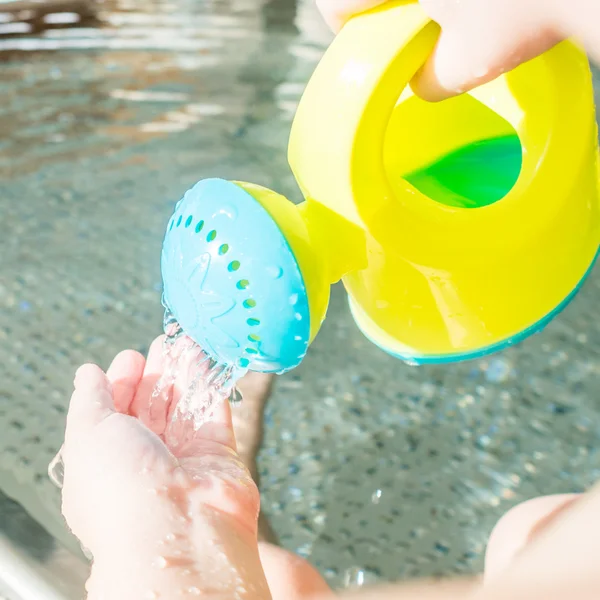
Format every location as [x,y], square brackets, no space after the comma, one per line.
[482,39]
[544,549]
[159,525]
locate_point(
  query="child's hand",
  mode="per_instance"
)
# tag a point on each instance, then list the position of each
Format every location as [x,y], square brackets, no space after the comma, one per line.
[156,521]
[480,39]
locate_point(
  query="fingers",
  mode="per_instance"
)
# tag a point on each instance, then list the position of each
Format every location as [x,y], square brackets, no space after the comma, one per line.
[519,527]
[192,370]
[479,40]
[248,416]
[196,399]
[219,430]
[175,412]
[338,12]
[91,402]
[465,59]
[256,385]
[125,374]
[155,364]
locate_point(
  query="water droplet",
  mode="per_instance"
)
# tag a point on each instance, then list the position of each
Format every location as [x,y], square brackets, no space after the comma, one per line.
[236,396]
[319,519]
[229,211]
[376,497]
[354,577]
[294,299]
[304,550]
[481,71]
[151,595]
[161,562]
[298,338]
[298,317]
[194,591]
[56,470]
[498,371]
[275,272]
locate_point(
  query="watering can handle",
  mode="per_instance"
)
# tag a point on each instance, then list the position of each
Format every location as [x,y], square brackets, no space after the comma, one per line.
[340,126]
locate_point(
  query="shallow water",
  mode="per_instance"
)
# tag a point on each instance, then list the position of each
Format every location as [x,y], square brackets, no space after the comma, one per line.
[372,469]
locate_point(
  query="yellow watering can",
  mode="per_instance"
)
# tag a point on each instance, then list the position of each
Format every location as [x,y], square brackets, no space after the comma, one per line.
[457,228]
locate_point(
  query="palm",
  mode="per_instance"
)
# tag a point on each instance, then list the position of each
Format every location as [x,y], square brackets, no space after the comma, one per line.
[208,457]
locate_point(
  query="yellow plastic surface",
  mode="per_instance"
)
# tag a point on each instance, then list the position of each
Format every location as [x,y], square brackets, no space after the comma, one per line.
[425,278]
[311,263]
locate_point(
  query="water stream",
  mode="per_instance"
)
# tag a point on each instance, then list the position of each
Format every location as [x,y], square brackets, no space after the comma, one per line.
[192,385]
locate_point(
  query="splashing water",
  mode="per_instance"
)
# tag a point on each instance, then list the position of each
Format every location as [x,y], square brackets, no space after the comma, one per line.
[354,577]
[208,384]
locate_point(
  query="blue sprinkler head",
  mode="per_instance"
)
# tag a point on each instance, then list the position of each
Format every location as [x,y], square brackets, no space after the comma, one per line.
[232,282]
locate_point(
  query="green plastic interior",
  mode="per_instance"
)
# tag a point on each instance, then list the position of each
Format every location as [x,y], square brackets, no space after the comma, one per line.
[473,176]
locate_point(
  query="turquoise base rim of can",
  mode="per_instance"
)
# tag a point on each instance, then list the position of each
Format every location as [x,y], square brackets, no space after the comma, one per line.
[441,359]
